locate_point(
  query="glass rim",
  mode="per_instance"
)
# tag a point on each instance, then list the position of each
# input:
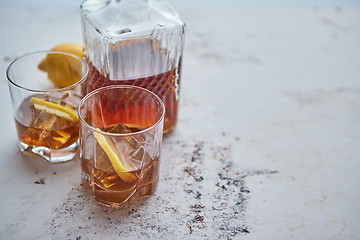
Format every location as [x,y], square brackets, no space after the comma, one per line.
[85,75]
[87,96]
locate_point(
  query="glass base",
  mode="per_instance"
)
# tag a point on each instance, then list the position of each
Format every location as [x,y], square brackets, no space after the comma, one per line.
[116,199]
[51,155]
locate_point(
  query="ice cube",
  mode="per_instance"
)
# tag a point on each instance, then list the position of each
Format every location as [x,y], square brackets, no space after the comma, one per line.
[61,136]
[129,147]
[45,122]
[139,157]
[101,160]
[118,128]
[134,141]
[88,143]
[151,145]
[68,100]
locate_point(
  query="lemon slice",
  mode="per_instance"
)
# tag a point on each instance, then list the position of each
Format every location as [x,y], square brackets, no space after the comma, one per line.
[74,48]
[115,157]
[53,108]
[63,70]
[71,47]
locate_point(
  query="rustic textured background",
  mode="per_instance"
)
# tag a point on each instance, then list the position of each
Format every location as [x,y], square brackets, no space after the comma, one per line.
[267,143]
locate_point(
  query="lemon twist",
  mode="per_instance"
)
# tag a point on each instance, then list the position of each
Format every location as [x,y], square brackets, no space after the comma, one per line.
[53,108]
[115,157]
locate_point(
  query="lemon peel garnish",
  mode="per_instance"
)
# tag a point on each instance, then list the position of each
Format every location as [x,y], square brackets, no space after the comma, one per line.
[53,108]
[115,157]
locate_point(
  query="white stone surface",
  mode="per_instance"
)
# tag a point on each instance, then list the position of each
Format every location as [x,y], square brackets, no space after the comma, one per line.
[266,147]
